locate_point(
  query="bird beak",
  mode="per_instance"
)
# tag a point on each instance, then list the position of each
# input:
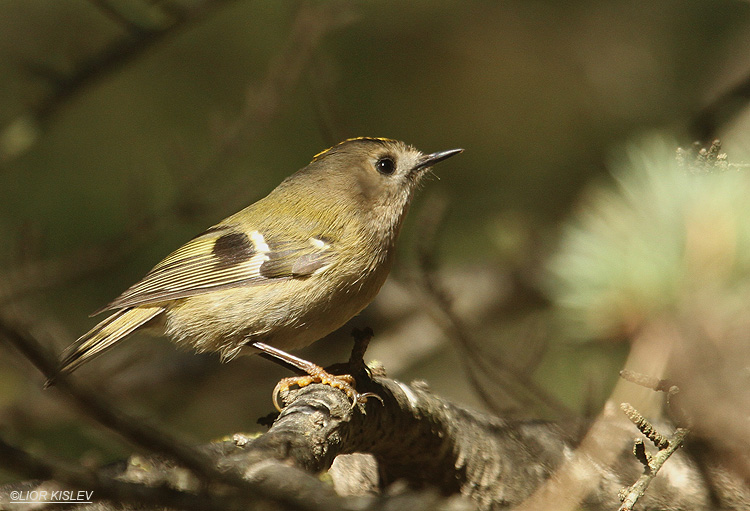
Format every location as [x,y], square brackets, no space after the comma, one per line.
[429,160]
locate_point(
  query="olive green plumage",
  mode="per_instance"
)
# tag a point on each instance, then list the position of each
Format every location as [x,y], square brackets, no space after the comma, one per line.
[286,270]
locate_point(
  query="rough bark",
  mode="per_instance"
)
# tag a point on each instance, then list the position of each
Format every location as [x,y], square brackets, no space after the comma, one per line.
[417,438]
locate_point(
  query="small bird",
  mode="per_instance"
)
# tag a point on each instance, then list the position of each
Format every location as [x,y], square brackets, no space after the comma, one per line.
[283,272]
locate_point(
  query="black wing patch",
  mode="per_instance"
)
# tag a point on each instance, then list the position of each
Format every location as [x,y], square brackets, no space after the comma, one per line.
[233,248]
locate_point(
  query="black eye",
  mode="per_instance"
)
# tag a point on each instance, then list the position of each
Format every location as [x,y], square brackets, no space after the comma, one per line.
[386,165]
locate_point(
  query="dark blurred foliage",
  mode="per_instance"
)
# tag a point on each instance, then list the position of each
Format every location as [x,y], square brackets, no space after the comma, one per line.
[127,126]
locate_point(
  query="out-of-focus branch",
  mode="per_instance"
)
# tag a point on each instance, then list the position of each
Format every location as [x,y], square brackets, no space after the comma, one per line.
[311,24]
[707,123]
[136,431]
[17,136]
[103,485]
[332,123]
[135,18]
[30,276]
[669,387]
[151,27]
[475,357]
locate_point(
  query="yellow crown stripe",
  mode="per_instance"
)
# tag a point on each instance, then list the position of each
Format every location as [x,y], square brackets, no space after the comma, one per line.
[372,139]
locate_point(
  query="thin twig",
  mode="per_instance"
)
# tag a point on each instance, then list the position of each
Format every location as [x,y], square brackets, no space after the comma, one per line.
[652,463]
[637,490]
[644,426]
[649,382]
[659,385]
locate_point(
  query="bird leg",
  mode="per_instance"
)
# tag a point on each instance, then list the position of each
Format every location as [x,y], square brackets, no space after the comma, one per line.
[312,373]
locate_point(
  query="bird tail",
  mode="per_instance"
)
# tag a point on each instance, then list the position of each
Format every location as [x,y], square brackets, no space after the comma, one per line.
[103,336]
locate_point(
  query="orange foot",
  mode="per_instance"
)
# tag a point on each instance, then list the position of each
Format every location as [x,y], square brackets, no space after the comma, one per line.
[315,374]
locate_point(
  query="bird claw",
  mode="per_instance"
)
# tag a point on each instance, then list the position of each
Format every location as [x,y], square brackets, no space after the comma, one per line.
[362,398]
[343,382]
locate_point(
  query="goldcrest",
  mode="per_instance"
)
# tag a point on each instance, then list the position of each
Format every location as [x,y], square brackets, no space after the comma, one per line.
[285,271]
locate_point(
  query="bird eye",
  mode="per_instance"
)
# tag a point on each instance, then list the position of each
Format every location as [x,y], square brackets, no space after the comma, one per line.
[386,165]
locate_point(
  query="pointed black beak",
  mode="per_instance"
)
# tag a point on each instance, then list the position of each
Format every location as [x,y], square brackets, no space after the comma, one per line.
[429,160]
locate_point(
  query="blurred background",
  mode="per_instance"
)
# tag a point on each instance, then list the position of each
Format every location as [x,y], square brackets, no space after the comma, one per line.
[565,243]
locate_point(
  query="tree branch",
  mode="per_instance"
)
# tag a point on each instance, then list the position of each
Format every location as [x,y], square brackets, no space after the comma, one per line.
[415,436]
[136,431]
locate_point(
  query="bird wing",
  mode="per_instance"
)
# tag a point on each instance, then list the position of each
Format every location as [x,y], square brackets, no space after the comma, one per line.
[226,256]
